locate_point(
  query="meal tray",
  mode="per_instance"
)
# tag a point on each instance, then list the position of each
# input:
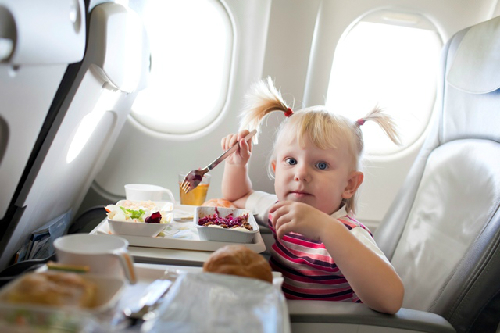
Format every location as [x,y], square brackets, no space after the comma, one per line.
[180,235]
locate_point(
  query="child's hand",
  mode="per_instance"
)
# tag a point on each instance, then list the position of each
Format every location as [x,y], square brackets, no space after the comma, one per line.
[298,217]
[242,155]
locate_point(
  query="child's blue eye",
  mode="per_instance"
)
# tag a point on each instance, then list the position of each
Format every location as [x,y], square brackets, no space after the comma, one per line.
[291,161]
[322,165]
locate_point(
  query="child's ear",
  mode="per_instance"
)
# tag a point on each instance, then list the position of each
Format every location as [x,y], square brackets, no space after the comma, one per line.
[353,183]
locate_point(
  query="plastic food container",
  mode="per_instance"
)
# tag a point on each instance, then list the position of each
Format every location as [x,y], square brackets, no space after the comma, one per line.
[214,233]
[107,294]
[28,319]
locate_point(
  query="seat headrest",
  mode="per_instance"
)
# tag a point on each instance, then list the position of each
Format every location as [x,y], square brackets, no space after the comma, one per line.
[476,64]
[42,32]
[119,46]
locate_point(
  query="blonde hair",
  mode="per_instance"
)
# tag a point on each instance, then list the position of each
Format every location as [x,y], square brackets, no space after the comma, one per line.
[325,129]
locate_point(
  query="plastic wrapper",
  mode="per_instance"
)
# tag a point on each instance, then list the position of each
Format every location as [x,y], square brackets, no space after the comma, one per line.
[209,302]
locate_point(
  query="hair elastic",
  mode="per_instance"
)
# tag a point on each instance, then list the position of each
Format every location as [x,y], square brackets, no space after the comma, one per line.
[288,112]
[360,122]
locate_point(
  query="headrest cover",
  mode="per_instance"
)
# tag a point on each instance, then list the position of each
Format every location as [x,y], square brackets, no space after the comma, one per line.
[42,32]
[477,61]
[118,44]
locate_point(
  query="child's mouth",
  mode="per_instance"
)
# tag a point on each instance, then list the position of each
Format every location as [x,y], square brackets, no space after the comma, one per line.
[299,194]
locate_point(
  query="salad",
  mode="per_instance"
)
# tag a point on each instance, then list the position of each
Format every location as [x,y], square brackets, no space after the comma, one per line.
[228,222]
[140,211]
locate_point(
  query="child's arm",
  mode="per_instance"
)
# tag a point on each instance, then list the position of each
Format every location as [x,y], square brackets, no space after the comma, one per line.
[370,276]
[236,185]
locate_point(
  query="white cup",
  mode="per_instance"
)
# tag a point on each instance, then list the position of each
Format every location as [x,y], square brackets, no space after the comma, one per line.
[103,254]
[144,192]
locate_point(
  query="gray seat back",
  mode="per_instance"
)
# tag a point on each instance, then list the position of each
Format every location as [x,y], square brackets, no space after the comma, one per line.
[92,113]
[442,233]
[39,42]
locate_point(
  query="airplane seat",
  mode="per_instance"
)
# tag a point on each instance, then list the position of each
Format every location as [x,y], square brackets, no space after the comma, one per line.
[87,220]
[442,232]
[41,46]
[115,67]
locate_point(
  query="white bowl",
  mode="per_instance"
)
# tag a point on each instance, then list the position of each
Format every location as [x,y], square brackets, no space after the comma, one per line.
[142,229]
[223,234]
[119,226]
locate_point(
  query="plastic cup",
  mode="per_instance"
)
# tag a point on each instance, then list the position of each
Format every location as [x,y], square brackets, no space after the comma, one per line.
[103,254]
[196,196]
[145,192]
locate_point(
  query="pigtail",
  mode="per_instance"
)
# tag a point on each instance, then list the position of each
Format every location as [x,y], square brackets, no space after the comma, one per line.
[384,121]
[262,100]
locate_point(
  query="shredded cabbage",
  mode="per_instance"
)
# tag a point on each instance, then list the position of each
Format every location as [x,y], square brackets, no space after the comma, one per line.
[229,221]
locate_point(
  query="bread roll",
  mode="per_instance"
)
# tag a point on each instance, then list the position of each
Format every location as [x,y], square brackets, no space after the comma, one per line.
[52,289]
[240,261]
[219,202]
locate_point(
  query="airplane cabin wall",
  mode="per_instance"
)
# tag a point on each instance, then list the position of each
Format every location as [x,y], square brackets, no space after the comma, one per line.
[289,41]
[143,156]
[283,40]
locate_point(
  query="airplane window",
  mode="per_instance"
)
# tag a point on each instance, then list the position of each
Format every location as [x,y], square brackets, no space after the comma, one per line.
[191,44]
[390,60]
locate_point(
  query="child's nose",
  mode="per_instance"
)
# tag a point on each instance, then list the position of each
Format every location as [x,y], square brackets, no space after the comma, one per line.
[302,173]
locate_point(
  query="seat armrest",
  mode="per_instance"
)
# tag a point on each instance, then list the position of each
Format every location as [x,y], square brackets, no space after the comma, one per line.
[356,314]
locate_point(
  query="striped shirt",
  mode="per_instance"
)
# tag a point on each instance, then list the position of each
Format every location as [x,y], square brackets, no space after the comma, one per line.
[309,272]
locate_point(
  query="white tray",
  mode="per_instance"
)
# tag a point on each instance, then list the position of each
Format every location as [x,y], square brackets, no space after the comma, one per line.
[180,235]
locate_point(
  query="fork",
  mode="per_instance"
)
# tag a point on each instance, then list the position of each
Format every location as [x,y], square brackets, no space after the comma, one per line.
[145,307]
[194,177]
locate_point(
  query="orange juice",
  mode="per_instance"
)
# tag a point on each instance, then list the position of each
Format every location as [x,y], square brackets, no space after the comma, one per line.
[194,197]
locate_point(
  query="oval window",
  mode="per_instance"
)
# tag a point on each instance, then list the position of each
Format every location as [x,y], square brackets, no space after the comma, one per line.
[191,45]
[391,60]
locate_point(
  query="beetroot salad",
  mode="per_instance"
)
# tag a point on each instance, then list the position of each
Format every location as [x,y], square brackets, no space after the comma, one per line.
[228,222]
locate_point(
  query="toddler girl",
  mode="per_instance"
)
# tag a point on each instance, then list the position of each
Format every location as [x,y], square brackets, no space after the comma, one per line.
[323,252]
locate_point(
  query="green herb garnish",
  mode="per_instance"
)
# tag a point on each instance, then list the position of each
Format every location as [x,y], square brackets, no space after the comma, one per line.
[133,214]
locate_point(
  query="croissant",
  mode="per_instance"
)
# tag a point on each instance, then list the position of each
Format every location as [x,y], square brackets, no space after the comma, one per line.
[219,202]
[239,260]
[52,289]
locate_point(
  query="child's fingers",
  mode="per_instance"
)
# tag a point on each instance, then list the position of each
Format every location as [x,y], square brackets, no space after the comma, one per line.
[245,149]
[242,134]
[223,142]
[283,229]
[281,222]
[246,145]
[277,206]
[231,139]
[228,141]
[278,212]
